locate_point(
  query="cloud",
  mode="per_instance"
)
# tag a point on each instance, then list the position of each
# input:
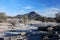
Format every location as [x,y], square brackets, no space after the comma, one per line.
[2,9]
[21,12]
[28,7]
[50,12]
[53,8]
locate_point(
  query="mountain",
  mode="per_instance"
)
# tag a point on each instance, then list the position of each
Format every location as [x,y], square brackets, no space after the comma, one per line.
[32,15]
[19,16]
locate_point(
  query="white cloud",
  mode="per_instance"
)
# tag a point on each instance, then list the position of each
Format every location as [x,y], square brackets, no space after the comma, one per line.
[50,12]
[2,9]
[28,7]
[21,12]
[53,8]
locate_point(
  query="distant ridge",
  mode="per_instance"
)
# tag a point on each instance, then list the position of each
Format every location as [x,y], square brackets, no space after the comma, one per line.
[35,16]
[32,15]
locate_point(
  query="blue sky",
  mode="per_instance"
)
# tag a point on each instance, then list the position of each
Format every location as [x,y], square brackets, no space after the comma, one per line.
[43,7]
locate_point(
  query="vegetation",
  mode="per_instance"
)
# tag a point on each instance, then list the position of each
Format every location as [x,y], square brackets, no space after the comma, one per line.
[24,19]
[57,18]
[32,16]
[2,16]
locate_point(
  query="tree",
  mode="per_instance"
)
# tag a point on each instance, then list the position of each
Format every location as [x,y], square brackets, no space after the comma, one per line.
[57,18]
[51,19]
[58,15]
[2,16]
[24,19]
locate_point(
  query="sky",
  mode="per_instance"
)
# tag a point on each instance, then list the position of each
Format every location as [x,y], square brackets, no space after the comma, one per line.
[46,8]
